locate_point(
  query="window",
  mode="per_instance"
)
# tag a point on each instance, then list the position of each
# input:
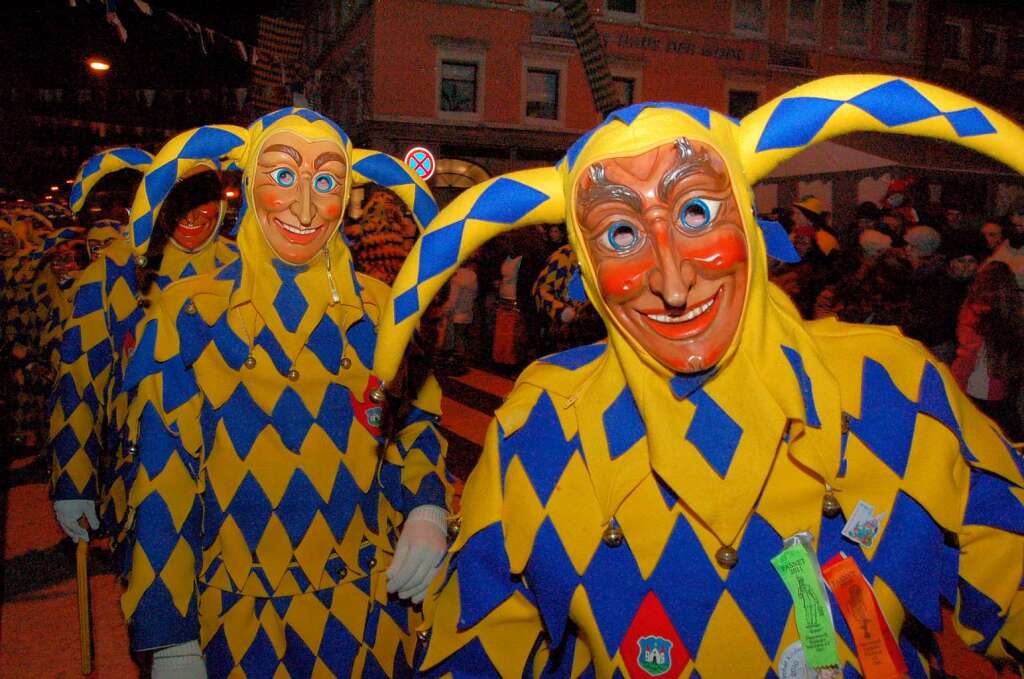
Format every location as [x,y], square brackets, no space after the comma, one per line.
[854,23]
[622,6]
[748,16]
[803,21]
[625,90]
[458,87]
[954,40]
[898,25]
[742,102]
[992,47]
[542,89]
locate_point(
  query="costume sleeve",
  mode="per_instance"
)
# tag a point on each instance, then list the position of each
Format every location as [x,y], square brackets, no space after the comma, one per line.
[483,621]
[417,455]
[989,612]
[549,289]
[77,405]
[968,345]
[164,504]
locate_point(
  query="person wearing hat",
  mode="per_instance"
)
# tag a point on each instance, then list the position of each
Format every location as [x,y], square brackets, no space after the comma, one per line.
[282,520]
[661,504]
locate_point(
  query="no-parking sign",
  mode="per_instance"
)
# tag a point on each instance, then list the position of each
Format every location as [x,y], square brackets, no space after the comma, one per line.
[421,161]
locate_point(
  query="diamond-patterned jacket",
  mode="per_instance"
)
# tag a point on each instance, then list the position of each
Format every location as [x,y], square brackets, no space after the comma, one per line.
[531,583]
[259,471]
[88,408]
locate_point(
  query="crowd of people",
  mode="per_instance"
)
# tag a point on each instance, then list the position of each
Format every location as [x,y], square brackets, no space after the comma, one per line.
[950,280]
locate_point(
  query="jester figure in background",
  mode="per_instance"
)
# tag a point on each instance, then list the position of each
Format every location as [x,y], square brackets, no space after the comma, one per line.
[88,409]
[35,316]
[632,495]
[382,236]
[269,522]
[558,295]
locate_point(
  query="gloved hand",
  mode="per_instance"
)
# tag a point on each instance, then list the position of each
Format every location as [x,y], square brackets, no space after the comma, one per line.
[69,511]
[420,551]
[568,315]
[181,661]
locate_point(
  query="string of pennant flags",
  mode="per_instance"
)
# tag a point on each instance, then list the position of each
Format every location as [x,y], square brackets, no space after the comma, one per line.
[206,36]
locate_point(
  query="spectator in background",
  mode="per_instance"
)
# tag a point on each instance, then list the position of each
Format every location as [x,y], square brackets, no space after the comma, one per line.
[458,317]
[1011,250]
[989,332]
[893,224]
[992,232]
[867,217]
[934,298]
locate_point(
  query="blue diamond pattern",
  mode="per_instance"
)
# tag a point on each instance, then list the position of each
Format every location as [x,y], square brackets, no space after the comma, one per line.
[298,659]
[990,502]
[158,534]
[423,206]
[684,384]
[896,103]
[209,142]
[298,506]
[622,424]
[142,228]
[886,423]
[272,117]
[540,447]
[804,380]
[159,182]
[251,510]
[338,648]
[439,250]
[763,599]
[260,660]
[616,590]
[934,402]
[550,576]
[970,122]
[777,242]
[485,576]
[273,348]
[289,302]
[713,432]
[326,344]
[341,505]
[93,165]
[88,299]
[292,419]
[980,613]
[573,359]
[362,335]
[688,586]
[382,169]
[506,201]
[132,156]
[909,558]
[335,416]
[795,122]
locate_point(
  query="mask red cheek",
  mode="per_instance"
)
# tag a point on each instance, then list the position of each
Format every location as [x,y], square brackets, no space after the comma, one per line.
[621,281]
[270,200]
[718,252]
[332,211]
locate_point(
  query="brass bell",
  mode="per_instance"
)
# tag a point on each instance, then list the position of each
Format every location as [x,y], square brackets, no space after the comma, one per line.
[372,563]
[612,536]
[378,395]
[293,375]
[133,448]
[346,363]
[726,556]
[250,362]
[190,309]
[141,260]
[830,505]
[143,303]
[423,636]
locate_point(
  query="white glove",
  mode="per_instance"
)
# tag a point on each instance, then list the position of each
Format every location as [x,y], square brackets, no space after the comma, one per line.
[181,661]
[69,511]
[420,551]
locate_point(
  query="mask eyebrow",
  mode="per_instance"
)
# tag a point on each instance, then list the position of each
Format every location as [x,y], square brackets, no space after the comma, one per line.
[602,190]
[285,149]
[690,163]
[327,157]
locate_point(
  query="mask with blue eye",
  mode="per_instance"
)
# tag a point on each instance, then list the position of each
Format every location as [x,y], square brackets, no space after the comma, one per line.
[697,214]
[623,236]
[324,183]
[283,176]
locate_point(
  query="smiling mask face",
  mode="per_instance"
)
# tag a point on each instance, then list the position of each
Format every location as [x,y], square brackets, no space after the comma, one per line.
[664,233]
[298,191]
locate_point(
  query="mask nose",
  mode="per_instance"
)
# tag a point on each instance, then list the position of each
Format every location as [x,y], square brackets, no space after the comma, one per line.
[674,274]
[303,208]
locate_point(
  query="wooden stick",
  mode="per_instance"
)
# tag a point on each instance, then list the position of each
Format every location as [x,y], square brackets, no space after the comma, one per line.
[84,630]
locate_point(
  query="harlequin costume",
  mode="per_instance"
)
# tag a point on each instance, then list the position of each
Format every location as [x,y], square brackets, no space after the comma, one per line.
[263,509]
[622,517]
[88,409]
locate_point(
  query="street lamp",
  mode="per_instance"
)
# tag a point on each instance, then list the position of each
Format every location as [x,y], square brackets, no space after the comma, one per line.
[99,64]
[55,188]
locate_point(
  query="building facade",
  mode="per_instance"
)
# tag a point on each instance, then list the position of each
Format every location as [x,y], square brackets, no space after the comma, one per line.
[495,85]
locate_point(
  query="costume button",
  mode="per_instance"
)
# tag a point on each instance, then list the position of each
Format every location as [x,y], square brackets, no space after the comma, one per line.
[726,556]
[612,536]
[250,362]
[143,303]
[377,395]
[190,309]
[141,260]
[293,375]
[372,563]
[423,636]
[133,448]
[346,363]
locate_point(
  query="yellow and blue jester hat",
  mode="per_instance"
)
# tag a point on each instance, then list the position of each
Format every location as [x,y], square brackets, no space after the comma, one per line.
[751,148]
[103,164]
